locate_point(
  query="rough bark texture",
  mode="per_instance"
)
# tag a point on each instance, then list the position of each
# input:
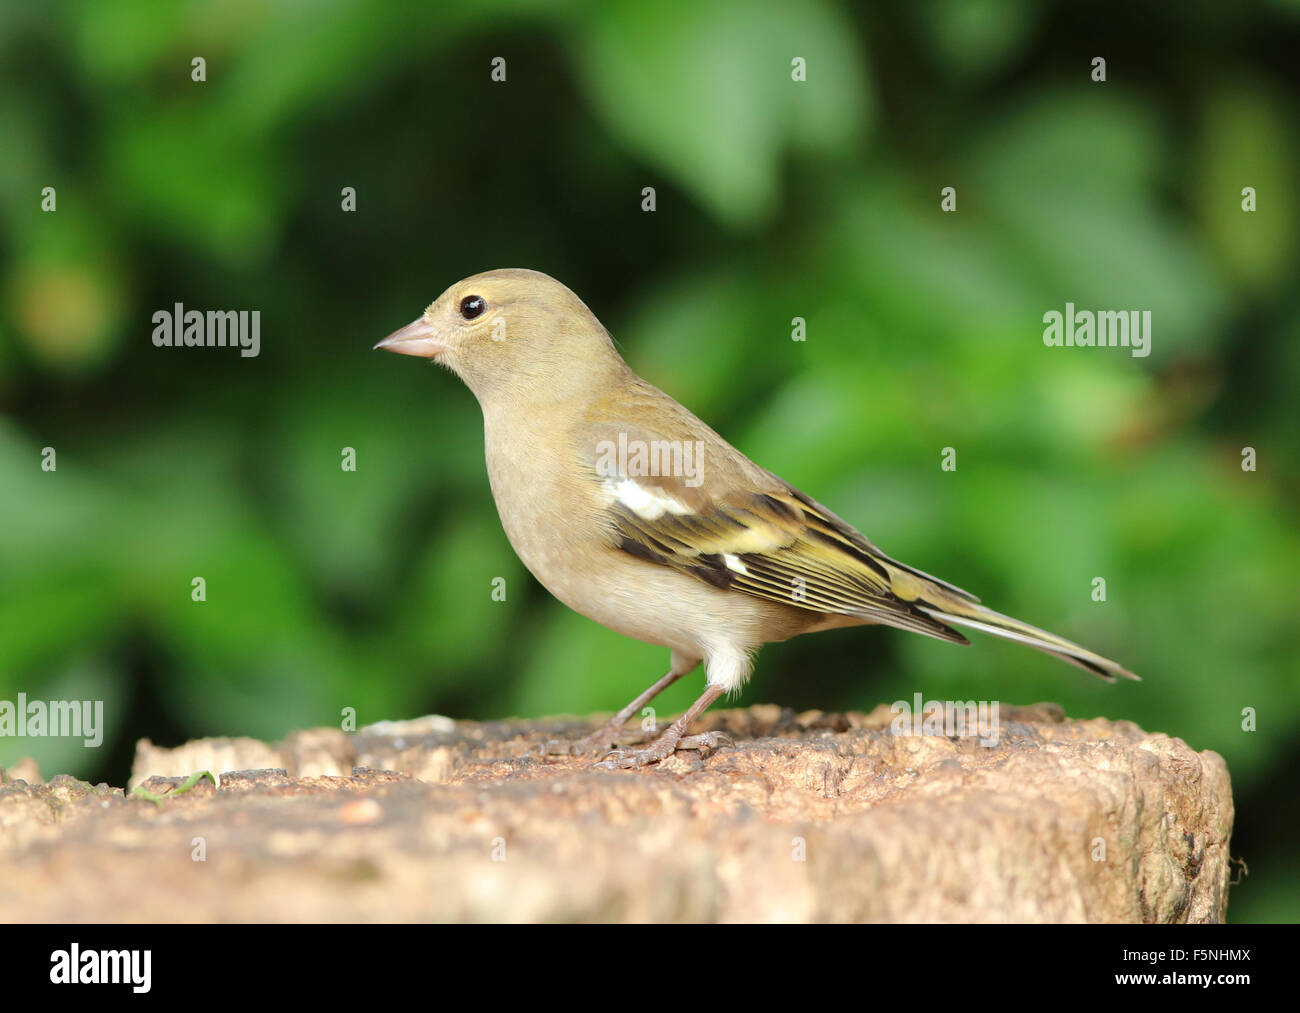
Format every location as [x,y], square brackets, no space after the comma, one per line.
[812,817]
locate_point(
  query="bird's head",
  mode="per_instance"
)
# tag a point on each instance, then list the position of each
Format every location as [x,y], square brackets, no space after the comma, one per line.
[511,332]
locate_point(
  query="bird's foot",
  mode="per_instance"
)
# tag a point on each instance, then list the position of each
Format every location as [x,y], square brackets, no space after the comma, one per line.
[662,748]
[705,741]
[600,741]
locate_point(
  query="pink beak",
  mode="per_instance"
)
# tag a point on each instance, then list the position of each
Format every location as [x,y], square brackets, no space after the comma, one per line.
[416,338]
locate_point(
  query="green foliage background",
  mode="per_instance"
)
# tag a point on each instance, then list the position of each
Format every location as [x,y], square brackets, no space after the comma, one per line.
[370,589]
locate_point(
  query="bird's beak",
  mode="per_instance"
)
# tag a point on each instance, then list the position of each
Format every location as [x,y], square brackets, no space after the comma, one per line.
[416,338]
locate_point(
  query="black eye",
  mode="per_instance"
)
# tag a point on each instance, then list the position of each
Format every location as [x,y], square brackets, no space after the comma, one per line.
[472,306]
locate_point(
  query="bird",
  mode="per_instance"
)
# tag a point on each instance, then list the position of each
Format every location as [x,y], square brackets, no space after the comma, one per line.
[633,512]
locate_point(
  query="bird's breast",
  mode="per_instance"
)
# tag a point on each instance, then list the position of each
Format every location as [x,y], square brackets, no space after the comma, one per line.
[549,509]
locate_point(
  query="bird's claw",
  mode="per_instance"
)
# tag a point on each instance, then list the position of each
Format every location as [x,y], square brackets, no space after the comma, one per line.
[661,749]
[705,741]
[629,759]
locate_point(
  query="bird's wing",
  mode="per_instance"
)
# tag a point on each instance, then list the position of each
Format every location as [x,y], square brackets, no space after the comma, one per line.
[675,493]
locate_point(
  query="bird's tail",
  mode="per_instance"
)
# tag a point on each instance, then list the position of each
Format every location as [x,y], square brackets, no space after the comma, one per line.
[977,617]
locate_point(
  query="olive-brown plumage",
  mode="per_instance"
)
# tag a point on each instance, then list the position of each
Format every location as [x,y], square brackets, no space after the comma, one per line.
[635,513]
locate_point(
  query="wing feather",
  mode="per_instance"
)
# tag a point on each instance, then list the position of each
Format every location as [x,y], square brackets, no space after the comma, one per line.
[725,521]
[743,529]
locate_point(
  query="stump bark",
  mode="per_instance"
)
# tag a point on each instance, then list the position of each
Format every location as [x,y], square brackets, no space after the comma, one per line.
[808,817]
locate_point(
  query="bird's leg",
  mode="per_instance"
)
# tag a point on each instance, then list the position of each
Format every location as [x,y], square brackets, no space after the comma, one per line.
[672,739]
[603,739]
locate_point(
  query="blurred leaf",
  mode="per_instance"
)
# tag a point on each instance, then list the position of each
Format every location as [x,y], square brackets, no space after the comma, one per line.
[1071,181]
[449,618]
[722,62]
[1247,140]
[976,37]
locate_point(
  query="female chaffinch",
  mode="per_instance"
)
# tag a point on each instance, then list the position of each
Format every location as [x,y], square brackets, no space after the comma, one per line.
[633,512]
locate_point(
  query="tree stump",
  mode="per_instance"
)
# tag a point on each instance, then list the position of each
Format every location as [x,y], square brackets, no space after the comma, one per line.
[806,817]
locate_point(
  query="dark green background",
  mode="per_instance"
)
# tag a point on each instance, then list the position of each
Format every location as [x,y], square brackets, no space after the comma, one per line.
[820,199]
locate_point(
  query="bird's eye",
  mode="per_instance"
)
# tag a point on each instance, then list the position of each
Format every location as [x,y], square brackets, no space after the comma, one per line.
[472,306]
